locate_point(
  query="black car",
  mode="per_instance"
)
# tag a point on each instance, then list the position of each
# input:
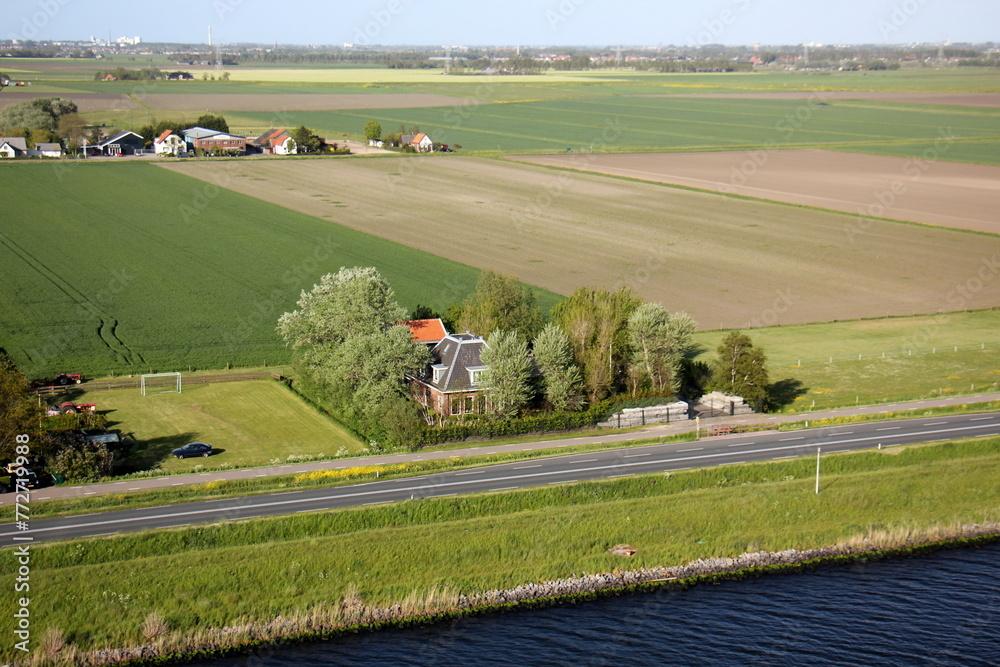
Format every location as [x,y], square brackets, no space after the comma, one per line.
[192,449]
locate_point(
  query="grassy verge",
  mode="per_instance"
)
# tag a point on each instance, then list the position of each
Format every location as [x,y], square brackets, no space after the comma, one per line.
[219,489]
[965,408]
[226,574]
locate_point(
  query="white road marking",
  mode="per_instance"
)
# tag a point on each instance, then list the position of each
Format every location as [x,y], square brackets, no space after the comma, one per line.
[695,449]
[934,423]
[278,503]
[471,472]
[801,437]
[633,456]
[979,419]
[582,461]
[539,465]
[889,428]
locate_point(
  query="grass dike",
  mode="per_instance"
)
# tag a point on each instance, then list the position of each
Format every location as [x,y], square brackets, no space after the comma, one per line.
[351,615]
[243,586]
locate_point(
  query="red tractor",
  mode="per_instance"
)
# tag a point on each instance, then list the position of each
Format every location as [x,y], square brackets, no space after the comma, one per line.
[64,379]
[69,407]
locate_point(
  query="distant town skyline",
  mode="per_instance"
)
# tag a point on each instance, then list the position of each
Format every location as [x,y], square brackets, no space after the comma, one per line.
[595,23]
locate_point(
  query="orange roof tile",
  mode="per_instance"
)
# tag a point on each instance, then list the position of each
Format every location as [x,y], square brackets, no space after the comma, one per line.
[427,331]
[166,133]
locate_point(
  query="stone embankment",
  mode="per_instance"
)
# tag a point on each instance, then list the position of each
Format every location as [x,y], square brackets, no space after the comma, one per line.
[590,583]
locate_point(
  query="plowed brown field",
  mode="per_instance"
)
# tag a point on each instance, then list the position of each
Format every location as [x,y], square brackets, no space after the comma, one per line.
[729,262]
[300,102]
[950,194]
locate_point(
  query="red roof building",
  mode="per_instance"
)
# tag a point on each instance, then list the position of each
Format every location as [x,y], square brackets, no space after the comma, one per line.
[429,332]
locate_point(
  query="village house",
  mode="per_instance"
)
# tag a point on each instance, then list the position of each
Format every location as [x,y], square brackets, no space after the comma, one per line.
[276,142]
[452,384]
[48,150]
[420,142]
[168,143]
[13,146]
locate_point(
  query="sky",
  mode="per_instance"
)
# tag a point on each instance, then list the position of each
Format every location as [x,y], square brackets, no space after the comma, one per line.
[508,22]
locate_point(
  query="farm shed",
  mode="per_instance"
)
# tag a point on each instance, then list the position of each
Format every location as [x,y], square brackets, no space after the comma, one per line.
[123,143]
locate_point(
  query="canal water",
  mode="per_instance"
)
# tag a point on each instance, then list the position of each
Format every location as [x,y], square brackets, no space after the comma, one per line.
[936,609]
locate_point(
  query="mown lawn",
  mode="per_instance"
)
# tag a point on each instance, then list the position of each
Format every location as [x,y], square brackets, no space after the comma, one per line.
[249,423]
[212,576]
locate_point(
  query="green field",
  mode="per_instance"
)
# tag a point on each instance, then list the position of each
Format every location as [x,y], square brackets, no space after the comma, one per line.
[219,575]
[131,268]
[630,124]
[893,336]
[249,423]
[556,111]
[901,359]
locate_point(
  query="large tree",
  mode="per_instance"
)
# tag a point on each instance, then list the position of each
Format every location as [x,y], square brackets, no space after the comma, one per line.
[346,336]
[39,114]
[507,374]
[561,379]
[213,122]
[741,370]
[501,302]
[373,130]
[658,343]
[306,140]
[20,412]
[595,321]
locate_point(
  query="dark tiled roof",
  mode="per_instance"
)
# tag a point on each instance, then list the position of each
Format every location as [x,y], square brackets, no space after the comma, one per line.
[118,138]
[459,353]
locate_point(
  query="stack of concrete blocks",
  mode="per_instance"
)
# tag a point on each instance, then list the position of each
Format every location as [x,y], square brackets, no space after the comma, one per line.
[656,414]
[728,405]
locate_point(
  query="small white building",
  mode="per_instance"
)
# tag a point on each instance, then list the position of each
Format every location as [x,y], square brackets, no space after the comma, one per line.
[49,150]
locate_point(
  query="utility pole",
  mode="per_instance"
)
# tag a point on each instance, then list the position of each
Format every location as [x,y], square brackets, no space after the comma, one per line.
[817,470]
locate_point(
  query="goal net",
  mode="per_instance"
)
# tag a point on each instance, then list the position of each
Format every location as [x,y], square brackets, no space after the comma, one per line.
[154,383]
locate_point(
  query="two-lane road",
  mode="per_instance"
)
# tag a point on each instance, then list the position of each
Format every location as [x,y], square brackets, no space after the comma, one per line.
[537,472]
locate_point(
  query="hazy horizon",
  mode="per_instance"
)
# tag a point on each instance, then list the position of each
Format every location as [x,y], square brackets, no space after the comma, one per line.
[530,23]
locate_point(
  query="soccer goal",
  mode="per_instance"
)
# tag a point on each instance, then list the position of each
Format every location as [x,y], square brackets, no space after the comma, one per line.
[156,383]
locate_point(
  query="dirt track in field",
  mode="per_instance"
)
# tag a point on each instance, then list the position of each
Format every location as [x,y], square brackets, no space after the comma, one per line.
[955,99]
[300,102]
[729,262]
[949,194]
[84,101]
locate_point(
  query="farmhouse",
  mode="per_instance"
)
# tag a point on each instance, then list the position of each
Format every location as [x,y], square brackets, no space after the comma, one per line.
[277,142]
[168,143]
[123,143]
[180,76]
[13,146]
[420,142]
[451,385]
